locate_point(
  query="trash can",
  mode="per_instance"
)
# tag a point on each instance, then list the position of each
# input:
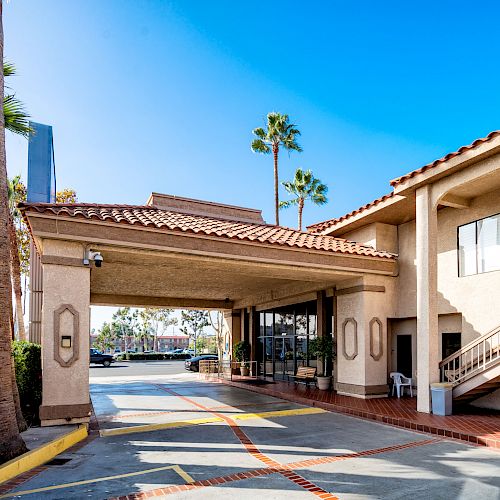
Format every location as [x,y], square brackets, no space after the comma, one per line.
[442,398]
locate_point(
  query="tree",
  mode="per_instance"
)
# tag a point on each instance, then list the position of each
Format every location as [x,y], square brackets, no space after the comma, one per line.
[217,323]
[152,318]
[15,261]
[193,323]
[280,133]
[105,338]
[304,187]
[20,238]
[123,322]
[11,443]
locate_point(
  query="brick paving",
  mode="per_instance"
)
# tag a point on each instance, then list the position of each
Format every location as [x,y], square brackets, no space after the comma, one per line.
[473,425]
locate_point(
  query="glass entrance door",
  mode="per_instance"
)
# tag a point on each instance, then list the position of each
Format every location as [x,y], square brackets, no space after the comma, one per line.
[284,362]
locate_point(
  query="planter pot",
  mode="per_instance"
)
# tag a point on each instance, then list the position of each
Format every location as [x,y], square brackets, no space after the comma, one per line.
[244,371]
[324,383]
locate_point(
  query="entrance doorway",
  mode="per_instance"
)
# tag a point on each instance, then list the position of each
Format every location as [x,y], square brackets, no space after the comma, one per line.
[404,361]
[284,339]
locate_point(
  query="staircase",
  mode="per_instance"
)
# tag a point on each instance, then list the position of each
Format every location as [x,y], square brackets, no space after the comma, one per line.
[474,370]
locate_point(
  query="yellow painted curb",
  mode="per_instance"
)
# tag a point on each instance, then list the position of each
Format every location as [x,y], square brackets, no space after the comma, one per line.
[278,413]
[118,431]
[41,455]
[157,427]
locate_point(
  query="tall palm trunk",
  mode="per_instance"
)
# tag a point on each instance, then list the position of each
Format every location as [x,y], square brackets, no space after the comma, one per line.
[16,280]
[11,443]
[301,208]
[276,181]
[21,423]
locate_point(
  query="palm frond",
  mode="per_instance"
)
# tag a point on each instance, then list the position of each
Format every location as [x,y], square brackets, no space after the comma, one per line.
[15,117]
[260,133]
[259,146]
[8,69]
[288,203]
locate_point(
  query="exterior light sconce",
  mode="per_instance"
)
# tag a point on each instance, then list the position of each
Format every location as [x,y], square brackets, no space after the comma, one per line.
[66,341]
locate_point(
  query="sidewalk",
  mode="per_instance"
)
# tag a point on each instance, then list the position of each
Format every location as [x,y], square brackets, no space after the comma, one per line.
[473,425]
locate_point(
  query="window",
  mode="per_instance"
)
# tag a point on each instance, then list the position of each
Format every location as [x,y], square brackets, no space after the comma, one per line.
[479,246]
[451,343]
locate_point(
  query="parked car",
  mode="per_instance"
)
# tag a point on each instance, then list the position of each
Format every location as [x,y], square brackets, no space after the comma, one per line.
[98,358]
[175,351]
[188,351]
[193,364]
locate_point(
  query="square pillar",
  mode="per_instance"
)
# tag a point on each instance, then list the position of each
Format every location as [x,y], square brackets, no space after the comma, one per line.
[427,313]
[65,335]
[322,323]
[362,314]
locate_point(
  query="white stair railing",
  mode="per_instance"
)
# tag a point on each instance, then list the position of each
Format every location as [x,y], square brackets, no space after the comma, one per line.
[474,358]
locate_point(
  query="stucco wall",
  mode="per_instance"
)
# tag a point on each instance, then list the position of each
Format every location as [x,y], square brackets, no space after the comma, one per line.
[471,295]
[365,307]
[379,236]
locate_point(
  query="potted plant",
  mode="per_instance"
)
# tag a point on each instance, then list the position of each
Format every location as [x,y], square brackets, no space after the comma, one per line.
[323,348]
[242,355]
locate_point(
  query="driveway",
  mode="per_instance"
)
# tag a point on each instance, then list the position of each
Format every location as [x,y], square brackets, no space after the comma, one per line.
[173,435]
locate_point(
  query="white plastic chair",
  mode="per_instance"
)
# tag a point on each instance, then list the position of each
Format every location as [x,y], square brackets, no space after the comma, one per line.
[400,382]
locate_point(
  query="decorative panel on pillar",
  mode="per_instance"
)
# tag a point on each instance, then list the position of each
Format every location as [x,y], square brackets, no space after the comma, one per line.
[66,335]
[376,339]
[350,338]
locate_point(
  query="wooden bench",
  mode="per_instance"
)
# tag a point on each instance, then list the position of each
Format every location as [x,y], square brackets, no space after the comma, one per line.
[305,374]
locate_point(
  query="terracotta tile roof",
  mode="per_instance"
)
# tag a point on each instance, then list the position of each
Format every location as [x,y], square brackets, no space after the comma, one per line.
[435,163]
[151,216]
[321,226]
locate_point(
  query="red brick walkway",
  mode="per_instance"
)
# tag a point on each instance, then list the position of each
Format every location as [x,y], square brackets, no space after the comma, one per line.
[473,425]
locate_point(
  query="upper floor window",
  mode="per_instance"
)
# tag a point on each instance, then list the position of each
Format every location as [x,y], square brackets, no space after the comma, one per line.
[479,246]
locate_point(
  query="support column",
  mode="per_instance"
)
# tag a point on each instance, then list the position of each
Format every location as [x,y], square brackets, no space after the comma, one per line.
[322,322]
[65,335]
[427,313]
[252,327]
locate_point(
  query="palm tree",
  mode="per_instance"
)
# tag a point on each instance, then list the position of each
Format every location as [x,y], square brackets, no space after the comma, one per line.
[304,187]
[280,133]
[11,443]
[14,255]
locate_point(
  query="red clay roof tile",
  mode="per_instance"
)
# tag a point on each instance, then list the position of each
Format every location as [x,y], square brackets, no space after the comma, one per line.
[435,163]
[151,216]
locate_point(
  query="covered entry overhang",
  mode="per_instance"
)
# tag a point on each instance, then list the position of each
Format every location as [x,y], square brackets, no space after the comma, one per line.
[168,258]
[157,258]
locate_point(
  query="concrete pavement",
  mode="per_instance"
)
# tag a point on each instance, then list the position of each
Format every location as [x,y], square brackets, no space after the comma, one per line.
[258,446]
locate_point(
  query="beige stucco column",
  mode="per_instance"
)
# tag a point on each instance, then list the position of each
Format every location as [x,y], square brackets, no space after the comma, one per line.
[363,310]
[65,334]
[427,314]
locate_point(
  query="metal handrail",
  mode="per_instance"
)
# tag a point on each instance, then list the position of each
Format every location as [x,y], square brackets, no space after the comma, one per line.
[471,359]
[227,369]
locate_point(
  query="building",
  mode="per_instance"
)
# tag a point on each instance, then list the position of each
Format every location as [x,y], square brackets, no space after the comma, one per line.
[400,283]
[163,343]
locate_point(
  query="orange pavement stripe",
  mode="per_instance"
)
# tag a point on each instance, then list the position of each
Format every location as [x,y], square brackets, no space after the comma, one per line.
[254,451]
[274,470]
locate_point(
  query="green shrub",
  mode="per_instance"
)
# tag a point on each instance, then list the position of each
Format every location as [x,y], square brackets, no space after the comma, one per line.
[28,363]
[242,351]
[153,356]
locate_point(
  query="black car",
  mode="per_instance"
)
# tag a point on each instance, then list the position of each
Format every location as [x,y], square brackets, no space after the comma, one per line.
[98,358]
[193,364]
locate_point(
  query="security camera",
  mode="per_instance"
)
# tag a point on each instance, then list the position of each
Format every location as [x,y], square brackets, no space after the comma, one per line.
[96,257]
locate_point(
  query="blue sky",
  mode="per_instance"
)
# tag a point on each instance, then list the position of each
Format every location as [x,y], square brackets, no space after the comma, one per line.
[163,95]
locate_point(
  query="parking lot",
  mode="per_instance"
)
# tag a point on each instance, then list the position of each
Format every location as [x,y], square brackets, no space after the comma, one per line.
[165,432]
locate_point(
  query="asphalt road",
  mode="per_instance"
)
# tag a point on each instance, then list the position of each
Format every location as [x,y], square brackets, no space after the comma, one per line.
[175,435]
[137,368]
